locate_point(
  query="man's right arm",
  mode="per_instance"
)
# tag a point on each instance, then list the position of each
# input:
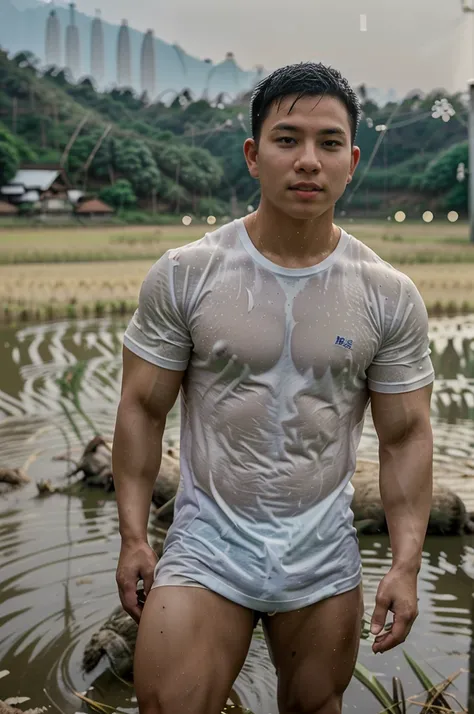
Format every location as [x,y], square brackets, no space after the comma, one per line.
[148,394]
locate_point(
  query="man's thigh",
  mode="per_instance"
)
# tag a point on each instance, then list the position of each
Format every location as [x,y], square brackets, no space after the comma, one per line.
[315,652]
[190,648]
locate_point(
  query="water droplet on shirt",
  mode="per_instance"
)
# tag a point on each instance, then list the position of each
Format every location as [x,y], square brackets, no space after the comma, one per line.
[251,302]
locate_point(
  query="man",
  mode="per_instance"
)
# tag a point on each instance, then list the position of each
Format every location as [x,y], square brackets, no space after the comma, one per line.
[278,329]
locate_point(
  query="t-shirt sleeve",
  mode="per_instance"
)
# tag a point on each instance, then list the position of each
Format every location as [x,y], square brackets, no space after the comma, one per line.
[158,332]
[403,363]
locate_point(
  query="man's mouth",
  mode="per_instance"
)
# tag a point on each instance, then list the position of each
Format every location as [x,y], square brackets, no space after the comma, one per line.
[309,188]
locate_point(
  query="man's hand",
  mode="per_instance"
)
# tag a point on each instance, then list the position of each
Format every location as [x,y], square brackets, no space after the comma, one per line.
[396,593]
[137,562]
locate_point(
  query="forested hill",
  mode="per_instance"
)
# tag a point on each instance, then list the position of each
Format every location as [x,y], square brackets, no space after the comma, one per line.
[188,156]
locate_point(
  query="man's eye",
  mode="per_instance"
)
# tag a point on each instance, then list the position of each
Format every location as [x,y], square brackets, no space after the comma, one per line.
[332,144]
[286,140]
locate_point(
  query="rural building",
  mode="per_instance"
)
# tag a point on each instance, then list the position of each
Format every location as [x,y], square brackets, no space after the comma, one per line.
[93,208]
[48,191]
[7,209]
[46,188]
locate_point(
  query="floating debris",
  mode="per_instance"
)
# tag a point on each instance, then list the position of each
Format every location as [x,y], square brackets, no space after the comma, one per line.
[12,478]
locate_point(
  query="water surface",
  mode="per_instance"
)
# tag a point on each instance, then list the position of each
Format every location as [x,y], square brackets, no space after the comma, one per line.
[59,554]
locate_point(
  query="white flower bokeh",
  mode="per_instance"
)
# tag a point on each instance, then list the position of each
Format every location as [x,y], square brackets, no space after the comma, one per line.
[442,109]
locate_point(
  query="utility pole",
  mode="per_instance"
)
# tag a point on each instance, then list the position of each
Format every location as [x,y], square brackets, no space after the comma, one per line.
[468,7]
[73,138]
[471,667]
[471,161]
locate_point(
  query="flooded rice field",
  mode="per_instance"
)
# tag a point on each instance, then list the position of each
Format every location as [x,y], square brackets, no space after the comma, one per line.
[58,553]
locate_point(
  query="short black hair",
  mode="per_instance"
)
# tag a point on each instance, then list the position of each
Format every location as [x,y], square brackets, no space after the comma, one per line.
[303,79]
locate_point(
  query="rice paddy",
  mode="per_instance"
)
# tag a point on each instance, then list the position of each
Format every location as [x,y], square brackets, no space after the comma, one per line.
[92,244]
[54,273]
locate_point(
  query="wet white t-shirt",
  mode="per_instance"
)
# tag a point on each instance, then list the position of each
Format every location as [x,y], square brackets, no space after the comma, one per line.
[278,364]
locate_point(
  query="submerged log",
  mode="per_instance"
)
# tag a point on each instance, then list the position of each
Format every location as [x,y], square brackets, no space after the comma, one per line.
[448,514]
[96,464]
[116,640]
[7,708]
[96,467]
[11,479]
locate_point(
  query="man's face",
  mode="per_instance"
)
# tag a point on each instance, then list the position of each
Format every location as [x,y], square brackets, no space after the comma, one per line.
[304,159]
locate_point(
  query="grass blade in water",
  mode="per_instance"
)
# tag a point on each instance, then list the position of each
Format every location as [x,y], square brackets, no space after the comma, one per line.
[370,681]
[399,696]
[435,697]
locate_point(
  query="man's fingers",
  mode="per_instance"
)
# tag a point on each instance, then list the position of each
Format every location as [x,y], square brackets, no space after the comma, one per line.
[380,615]
[128,598]
[135,564]
[385,643]
[398,633]
[148,580]
[133,610]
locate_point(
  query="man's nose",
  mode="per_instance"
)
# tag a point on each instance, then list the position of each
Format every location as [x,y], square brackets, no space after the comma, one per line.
[308,160]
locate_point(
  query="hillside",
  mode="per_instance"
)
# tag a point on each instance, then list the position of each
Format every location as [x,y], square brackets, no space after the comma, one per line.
[188,156]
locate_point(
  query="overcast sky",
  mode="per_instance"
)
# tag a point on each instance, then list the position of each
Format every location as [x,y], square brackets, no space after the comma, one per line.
[408,43]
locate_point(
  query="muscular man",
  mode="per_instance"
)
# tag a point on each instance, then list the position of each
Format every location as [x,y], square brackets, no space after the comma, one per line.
[278,330]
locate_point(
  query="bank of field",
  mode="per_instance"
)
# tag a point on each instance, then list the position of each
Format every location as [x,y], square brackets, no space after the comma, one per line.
[438,258]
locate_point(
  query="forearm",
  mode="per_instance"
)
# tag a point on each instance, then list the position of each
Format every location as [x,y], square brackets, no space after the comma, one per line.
[136,459]
[406,481]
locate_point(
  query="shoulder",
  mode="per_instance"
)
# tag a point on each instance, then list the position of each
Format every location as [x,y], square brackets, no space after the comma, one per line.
[183,271]
[200,253]
[392,296]
[377,272]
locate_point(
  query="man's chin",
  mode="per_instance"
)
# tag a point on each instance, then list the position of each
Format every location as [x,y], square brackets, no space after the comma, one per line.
[304,213]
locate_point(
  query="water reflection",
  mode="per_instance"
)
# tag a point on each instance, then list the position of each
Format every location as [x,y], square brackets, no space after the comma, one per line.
[59,554]
[453,358]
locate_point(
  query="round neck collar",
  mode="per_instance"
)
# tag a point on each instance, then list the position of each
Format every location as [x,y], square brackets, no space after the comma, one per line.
[295,272]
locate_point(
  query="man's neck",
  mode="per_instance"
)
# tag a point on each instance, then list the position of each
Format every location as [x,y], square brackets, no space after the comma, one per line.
[289,242]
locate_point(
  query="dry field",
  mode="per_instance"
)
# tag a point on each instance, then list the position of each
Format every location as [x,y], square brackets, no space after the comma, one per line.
[37,286]
[42,245]
[398,243]
[71,282]
[443,283]
[438,258]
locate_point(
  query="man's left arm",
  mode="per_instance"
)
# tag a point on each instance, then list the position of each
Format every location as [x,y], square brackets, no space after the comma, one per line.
[402,422]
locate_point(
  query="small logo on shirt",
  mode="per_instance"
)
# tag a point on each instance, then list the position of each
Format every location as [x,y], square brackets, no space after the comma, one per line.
[344,342]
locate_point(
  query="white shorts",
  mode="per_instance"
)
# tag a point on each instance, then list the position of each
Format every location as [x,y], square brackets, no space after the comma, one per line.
[177,579]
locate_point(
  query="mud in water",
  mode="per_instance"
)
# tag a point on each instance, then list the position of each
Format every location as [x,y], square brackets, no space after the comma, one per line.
[58,554]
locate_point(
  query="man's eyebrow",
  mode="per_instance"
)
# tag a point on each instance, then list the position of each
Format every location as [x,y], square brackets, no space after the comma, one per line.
[285,127]
[333,130]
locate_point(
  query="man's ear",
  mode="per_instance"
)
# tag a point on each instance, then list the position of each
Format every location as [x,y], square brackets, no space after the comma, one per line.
[354,162]
[251,157]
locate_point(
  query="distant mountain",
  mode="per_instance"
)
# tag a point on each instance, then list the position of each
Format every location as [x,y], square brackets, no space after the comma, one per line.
[23,27]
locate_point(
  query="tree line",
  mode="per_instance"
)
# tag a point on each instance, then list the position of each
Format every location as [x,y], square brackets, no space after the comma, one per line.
[187,155]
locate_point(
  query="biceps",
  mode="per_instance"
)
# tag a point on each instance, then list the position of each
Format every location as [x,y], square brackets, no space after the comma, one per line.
[153,387]
[399,416]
